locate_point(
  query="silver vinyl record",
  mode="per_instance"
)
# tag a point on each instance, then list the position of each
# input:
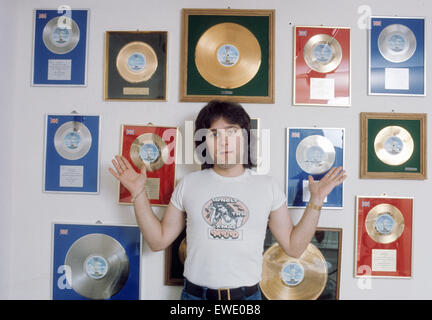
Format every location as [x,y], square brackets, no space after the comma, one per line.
[72,140]
[397,43]
[61,38]
[315,154]
[99,266]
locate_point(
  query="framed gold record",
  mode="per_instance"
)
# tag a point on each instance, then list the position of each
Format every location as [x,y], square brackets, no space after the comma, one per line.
[155,148]
[227,54]
[135,65]
[315,275]
[393,145]
[384,236]
[288,278]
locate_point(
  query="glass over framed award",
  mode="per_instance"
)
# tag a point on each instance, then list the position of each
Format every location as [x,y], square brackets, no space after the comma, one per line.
[71,161]
[322,66]
[227,54]
[155,148]
[313,151]
[314,275]
[95,262]
[393,145]
[383,243]
[135,65]
[397,56]
[60,47]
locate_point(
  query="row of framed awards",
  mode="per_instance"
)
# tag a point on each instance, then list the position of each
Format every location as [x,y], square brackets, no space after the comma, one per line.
[98,261]
[393,146]
[229,54]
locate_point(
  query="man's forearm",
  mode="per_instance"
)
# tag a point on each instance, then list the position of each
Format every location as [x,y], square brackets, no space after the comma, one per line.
[304,231]
[148,223]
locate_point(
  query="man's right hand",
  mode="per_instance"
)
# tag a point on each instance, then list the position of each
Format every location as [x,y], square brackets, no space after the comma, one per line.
[128,177]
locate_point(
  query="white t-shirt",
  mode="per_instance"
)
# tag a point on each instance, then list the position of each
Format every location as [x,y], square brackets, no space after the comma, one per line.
[226,222]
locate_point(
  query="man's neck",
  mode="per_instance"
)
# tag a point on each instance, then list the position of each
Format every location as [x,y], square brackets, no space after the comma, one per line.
[234,171]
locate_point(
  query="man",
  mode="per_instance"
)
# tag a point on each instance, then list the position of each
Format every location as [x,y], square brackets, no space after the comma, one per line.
[226,209]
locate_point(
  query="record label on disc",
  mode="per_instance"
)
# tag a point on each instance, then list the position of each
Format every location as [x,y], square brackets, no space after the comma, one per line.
[72,140]
[60,36]
[323,53]
[96,266]
[384,224]
[136,62]
[228,55]
[149,152]
[292,274]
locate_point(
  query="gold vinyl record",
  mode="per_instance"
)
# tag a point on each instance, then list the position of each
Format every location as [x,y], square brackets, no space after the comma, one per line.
[315,154]
[136,62]
[72,140]
[288,278]
[394,145]
[397,43]
[228,55]
[384,223]
[322,53]
[149,149]
[99,266]
[182,251]
[61,35]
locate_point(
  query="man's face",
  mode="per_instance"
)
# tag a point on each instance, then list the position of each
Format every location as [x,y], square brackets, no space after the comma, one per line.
[225,142]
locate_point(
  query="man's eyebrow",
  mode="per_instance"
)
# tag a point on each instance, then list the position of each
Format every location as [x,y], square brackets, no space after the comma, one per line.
[228,127]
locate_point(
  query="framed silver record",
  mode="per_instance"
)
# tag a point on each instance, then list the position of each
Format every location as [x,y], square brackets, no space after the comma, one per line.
[60,47]
[313,151]
[95,261]
[72,149]
[397,56]
[61,35]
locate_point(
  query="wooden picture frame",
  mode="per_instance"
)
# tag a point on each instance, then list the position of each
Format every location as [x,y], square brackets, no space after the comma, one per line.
[198,85]
[387,162]
[173,264]
[146,83]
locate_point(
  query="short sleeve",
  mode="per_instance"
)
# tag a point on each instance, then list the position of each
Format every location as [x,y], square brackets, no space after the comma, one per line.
[177,195]
[279,197]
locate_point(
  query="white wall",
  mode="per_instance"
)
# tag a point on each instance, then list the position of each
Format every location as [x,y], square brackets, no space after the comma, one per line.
[27,212]
[7,86]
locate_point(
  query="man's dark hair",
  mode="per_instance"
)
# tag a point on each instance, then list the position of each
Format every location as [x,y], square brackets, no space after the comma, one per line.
[232,113]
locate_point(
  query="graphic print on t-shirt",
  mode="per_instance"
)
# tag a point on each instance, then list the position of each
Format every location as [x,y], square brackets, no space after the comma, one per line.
[225,215]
